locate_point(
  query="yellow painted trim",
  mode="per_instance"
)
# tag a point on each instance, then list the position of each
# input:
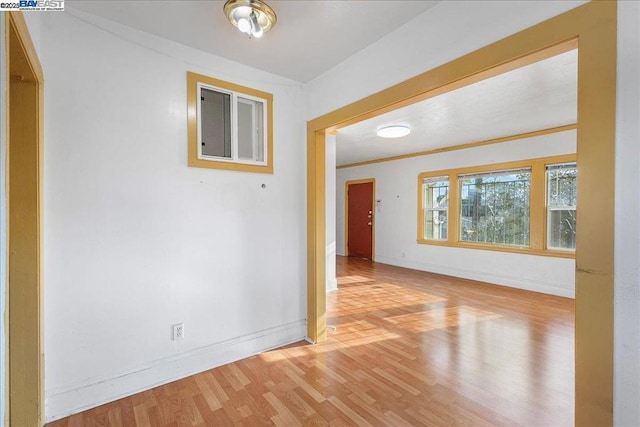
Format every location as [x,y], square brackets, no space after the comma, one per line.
[566,158]
[463,146]
[594,24]
[16,21]
[192,124]
[537,207]
[452,204]
[6,384]
[25,127]
[595,250]
[498,248]
[316,236]
[373,215]
[6,392]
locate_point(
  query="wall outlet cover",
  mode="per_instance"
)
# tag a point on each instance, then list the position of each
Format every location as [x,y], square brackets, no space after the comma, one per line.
[178,331]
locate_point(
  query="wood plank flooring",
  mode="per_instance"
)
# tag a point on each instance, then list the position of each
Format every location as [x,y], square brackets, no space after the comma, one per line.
[405,348]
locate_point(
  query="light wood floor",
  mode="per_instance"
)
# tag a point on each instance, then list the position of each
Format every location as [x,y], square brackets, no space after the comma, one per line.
[409,348]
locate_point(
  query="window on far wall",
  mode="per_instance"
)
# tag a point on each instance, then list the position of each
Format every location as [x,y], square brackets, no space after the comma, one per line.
[494,207]
[525,206]
[230,126]
[436,206]
[561,206]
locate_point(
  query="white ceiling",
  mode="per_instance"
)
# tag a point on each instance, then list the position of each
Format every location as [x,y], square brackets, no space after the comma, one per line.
[309,38]
[539,96]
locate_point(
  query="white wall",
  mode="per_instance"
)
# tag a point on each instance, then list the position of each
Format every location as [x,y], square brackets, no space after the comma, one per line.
[443,33]
[34,20]
[330,193]
[452,29]
[4,386]
[396,218]
[128,247]
[627,220]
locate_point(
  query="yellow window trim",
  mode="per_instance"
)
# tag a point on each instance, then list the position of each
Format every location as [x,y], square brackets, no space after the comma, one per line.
[537,207]
[192,124]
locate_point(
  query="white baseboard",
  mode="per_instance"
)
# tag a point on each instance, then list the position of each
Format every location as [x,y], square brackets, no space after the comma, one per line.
[332,285]
[64,401]
[331,249]
[498,279]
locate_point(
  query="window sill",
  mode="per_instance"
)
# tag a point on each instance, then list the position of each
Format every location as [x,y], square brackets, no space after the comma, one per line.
[226,165]
[488,247]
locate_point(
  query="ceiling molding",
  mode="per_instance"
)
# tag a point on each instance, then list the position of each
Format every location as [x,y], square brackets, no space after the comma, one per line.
[464,146]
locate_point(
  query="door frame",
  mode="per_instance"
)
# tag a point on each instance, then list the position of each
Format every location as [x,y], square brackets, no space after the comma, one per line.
[594,24]
[346,214]
[25,350]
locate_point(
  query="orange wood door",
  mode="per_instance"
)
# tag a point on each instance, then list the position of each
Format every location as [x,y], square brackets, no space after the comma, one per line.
[360,220]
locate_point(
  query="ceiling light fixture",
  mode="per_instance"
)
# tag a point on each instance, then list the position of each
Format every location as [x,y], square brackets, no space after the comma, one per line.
[393,131]
[252,17]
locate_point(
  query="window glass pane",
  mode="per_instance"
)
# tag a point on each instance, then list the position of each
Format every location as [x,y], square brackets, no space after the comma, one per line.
[561,227]
[561,183]
[215,123]
[436,204]
[494,207]
[561,206]
[250,130]
[435,227]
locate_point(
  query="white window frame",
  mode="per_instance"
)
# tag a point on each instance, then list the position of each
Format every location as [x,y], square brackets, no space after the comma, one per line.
[234,126]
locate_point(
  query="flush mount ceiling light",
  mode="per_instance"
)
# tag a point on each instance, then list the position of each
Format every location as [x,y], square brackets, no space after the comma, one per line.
[393,131]
[252,17]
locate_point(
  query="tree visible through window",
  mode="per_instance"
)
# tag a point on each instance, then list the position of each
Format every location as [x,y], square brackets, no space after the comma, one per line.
[436,206]
[526,206]
[561,206]
[494,207]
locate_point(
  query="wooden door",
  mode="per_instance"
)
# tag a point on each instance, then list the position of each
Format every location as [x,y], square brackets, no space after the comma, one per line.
[360,219]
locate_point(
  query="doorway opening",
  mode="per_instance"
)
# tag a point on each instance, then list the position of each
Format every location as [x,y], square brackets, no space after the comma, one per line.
[24,200]
[594,25]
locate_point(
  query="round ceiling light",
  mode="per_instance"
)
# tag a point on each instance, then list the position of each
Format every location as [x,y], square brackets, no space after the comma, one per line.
[252,17]
[393,131]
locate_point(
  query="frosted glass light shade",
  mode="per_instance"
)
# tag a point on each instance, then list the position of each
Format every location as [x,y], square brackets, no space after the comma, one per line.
[394,131]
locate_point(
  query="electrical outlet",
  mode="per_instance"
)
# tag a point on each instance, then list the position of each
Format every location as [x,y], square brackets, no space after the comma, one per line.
[178,331]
